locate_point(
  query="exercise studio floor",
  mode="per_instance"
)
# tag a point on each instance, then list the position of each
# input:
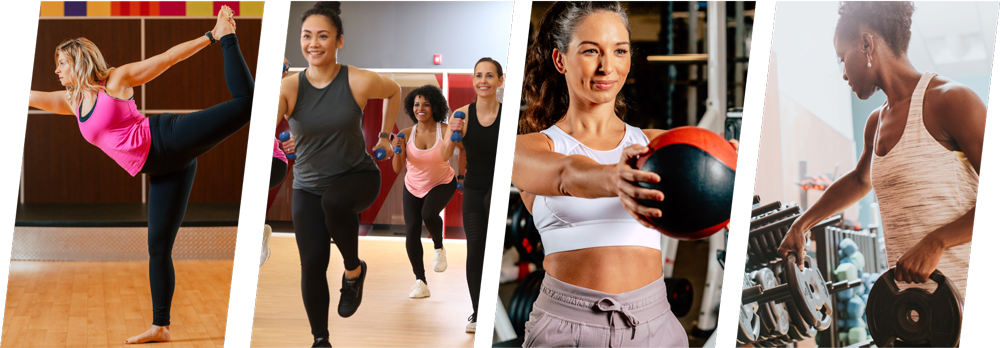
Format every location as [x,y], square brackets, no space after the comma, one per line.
[101,303]
[387,316]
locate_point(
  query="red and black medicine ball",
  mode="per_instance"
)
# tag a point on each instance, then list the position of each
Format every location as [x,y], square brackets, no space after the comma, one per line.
[697,171]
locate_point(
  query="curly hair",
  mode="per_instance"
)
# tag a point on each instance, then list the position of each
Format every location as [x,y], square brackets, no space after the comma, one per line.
[890,19]
[329,9]
[439,106]
[545,90]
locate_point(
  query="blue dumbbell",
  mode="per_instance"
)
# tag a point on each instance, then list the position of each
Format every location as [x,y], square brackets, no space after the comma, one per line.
[398,149]
[459,186]
[284,136]
[284,68]
[456,137]
[380,154]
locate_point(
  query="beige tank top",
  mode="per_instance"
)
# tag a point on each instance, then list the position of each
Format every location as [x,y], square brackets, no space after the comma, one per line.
[921,186]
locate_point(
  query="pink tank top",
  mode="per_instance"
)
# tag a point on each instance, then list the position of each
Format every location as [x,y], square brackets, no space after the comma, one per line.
[117,128]
[425,168]
[278,153]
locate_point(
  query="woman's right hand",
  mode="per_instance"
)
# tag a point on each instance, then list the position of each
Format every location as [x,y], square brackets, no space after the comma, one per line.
[794,242]
[399,142]
[289,145]
[628,192]
[224,24]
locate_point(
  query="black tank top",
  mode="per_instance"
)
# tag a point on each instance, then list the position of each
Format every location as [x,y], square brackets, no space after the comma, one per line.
[329,141]
[480,150]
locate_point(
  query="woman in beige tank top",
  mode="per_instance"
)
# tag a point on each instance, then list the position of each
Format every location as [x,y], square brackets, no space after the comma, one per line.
[922,149]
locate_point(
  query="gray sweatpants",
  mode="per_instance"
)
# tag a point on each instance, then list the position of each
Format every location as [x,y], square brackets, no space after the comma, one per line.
[566,315]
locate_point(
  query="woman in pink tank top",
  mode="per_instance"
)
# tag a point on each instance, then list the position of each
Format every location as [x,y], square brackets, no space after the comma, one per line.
[922,149]
[164,146]
[430,180]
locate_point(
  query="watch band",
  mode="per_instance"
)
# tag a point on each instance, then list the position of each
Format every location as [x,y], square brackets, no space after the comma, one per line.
[211,39]
[385,135]
[461,177]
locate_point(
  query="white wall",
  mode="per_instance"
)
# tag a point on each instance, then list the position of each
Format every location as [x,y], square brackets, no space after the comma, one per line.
[406,35]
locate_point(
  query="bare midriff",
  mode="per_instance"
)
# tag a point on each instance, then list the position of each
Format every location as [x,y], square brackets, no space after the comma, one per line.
[611,269]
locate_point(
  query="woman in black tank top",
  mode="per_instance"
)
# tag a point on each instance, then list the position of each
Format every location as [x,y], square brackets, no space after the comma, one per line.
[335,177]
[477,156]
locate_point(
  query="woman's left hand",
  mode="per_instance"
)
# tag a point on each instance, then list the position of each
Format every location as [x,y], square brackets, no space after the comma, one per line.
[384,143]
[289,145]
[917,264]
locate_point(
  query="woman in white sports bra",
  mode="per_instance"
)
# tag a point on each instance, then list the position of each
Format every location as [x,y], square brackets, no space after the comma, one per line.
[604,282]
[922,149]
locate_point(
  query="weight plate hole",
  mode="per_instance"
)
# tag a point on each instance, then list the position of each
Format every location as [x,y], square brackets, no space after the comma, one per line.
[914,317]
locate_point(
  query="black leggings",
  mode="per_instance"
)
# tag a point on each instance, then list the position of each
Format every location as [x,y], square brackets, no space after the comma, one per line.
[426,210]
[475,214]
[177,141]
[319,218]
[278,171]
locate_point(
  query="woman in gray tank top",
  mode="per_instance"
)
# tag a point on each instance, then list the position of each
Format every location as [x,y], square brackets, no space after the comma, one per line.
[922,149]
[335,176]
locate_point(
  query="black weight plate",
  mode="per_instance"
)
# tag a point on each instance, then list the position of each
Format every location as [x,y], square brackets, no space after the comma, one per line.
[680,294]
[523,300]
[809,293]
[527,241]
[914,316]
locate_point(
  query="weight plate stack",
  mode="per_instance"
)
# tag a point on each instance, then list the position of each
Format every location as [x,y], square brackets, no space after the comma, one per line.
[774,316]
[809,293]
[749,325]
[680,294]
[524,298]
[527,241]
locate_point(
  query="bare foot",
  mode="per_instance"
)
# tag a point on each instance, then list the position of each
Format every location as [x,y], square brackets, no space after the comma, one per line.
[154,334]
[224,24]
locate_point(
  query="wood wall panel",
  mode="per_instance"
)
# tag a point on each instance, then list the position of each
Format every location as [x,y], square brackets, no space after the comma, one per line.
[220,170]
[200,77]
[118,40]
[61,167]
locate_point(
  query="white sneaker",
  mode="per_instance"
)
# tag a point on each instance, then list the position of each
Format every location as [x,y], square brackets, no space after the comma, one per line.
[471,328]
[265,249]
[420,290]
[440,260]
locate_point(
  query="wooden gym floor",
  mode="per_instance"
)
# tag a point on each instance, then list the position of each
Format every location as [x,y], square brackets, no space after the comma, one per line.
[100,304]
[387,316]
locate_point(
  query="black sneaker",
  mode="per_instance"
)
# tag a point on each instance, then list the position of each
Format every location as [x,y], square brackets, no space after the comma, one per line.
[471,328]
[350,293]
[322,342]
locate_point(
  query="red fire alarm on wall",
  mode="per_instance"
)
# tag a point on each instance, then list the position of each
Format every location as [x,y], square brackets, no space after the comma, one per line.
[437,59]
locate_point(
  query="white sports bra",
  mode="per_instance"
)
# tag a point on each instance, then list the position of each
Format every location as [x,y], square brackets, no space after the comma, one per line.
[570,223]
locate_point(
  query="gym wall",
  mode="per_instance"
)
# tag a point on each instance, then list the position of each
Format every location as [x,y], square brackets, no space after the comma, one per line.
[407,35]
[61,167]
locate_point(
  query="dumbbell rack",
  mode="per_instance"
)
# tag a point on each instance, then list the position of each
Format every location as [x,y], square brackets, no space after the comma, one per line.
[768,318]
[827,244]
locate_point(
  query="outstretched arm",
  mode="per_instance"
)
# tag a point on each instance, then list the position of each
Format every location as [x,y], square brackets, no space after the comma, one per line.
[140,73]
[54,102]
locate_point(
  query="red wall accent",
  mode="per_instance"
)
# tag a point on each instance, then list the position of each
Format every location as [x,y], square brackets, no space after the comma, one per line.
[372,126]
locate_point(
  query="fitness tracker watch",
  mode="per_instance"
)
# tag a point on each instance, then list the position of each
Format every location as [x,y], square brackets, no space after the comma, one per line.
[385,135]
[461,177]
[211,39]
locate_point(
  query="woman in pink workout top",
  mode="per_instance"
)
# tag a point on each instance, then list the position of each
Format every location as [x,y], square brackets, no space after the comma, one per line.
[430,181]
[165,146]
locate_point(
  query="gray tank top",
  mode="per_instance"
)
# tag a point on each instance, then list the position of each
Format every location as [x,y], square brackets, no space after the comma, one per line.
[328,136]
